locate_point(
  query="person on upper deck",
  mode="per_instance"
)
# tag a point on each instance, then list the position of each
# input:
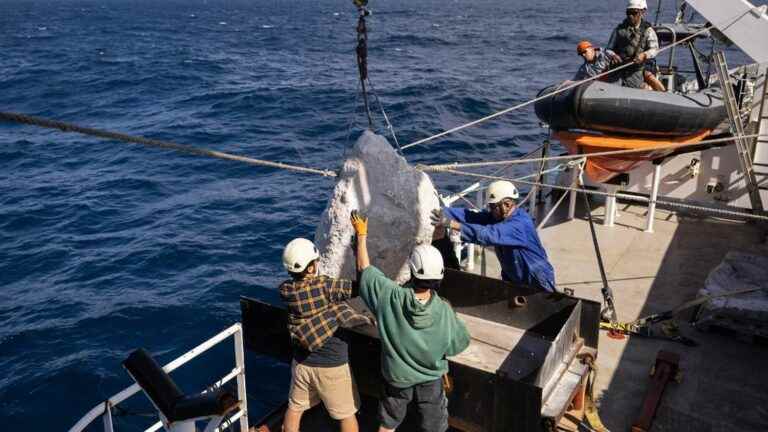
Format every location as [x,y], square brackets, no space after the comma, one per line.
[509,229]
[417,329]
[634,40]
[596,60]
[320,369]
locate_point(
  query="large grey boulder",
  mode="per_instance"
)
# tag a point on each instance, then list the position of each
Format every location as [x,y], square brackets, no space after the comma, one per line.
[397,199]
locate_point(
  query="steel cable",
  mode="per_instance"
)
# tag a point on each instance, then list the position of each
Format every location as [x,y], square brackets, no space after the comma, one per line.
[68,127]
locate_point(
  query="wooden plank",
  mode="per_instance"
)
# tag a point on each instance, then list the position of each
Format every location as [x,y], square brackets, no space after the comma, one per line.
[558,401]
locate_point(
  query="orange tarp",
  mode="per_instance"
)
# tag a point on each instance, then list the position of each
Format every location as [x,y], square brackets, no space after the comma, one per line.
[603,168]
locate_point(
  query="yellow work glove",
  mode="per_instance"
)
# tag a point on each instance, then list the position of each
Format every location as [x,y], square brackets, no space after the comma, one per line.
[359,223]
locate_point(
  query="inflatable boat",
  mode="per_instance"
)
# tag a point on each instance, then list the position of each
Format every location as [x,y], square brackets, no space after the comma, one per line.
[606,107]
[600,116]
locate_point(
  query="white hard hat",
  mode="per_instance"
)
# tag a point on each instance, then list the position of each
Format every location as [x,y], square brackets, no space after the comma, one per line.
[298,254]
[637,4]
[426,263]
[501,189]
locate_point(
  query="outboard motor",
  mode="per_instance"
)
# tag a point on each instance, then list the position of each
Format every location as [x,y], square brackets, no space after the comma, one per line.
[178,411]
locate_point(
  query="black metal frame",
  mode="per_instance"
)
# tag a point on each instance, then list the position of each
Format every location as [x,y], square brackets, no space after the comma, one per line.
[510,398]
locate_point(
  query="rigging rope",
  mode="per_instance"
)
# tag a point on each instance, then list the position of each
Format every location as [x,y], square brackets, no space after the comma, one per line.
[666,146]
[386,118]
[559,167]
[563,89]
[475,187]
[68,127]
[628,197]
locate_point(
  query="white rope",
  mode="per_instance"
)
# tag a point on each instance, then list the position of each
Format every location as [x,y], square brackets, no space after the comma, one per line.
[386,118]
[665,146]
[560,167]
[469,202]
[561,89]
[628,197]
[476,187]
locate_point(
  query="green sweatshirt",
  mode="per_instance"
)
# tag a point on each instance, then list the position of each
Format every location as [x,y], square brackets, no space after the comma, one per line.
[415,337]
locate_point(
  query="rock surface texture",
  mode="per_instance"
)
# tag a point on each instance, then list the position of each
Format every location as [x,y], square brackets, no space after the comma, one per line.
[744,313]
[397,199]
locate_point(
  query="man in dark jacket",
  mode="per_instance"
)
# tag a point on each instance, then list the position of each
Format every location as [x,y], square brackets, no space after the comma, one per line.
[596,60]
[320,370]
[634,40]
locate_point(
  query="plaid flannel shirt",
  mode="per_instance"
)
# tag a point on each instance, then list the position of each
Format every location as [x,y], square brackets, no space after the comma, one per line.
[316,308]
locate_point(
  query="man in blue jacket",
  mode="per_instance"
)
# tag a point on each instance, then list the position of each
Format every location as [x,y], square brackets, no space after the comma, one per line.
[509,229]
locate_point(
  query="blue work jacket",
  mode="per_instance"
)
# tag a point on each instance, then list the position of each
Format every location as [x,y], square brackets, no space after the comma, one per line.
[522,257]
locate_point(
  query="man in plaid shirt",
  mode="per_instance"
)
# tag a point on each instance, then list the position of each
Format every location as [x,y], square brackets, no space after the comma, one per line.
[320,370]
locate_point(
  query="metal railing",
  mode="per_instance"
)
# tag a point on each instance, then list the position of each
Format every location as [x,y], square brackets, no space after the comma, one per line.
[104,409]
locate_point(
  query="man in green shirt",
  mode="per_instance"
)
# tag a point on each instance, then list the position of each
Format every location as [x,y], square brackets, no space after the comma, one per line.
[417,330]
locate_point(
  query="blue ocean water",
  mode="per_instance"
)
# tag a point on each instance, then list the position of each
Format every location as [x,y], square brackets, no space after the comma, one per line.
[106,247]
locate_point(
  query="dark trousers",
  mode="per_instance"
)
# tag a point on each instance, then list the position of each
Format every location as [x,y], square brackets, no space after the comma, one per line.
[430,400]
[632,76]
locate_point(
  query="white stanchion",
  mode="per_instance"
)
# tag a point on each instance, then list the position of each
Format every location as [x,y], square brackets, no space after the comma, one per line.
[654,195]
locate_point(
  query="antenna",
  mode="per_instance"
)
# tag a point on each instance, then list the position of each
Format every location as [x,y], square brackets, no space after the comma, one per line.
[658,13]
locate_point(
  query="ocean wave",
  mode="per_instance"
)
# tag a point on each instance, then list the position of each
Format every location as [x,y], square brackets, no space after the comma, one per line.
[417,40]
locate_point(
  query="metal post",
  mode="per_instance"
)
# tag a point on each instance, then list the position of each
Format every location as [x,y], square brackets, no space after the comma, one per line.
[654,194]
[107,417]
[483,262]
[532,202]
[551,212]
[455,237]
[241,390]
[184,426]
[572,200]
[471,246]
[480,201]
[535,189]
[470,257]
[610,205]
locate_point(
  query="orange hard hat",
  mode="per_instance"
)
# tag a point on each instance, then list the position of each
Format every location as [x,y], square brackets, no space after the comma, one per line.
[582,46]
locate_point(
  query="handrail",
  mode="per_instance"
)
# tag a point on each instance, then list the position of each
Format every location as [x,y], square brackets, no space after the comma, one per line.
[674,43]
[235,329]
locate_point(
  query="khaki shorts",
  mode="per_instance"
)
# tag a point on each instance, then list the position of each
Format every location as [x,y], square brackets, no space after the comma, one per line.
[333,386]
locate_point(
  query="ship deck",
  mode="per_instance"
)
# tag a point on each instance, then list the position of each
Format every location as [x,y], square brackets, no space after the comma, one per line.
[724,378]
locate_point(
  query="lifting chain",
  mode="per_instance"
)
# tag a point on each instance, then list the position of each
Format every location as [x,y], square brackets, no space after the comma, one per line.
[362,55]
